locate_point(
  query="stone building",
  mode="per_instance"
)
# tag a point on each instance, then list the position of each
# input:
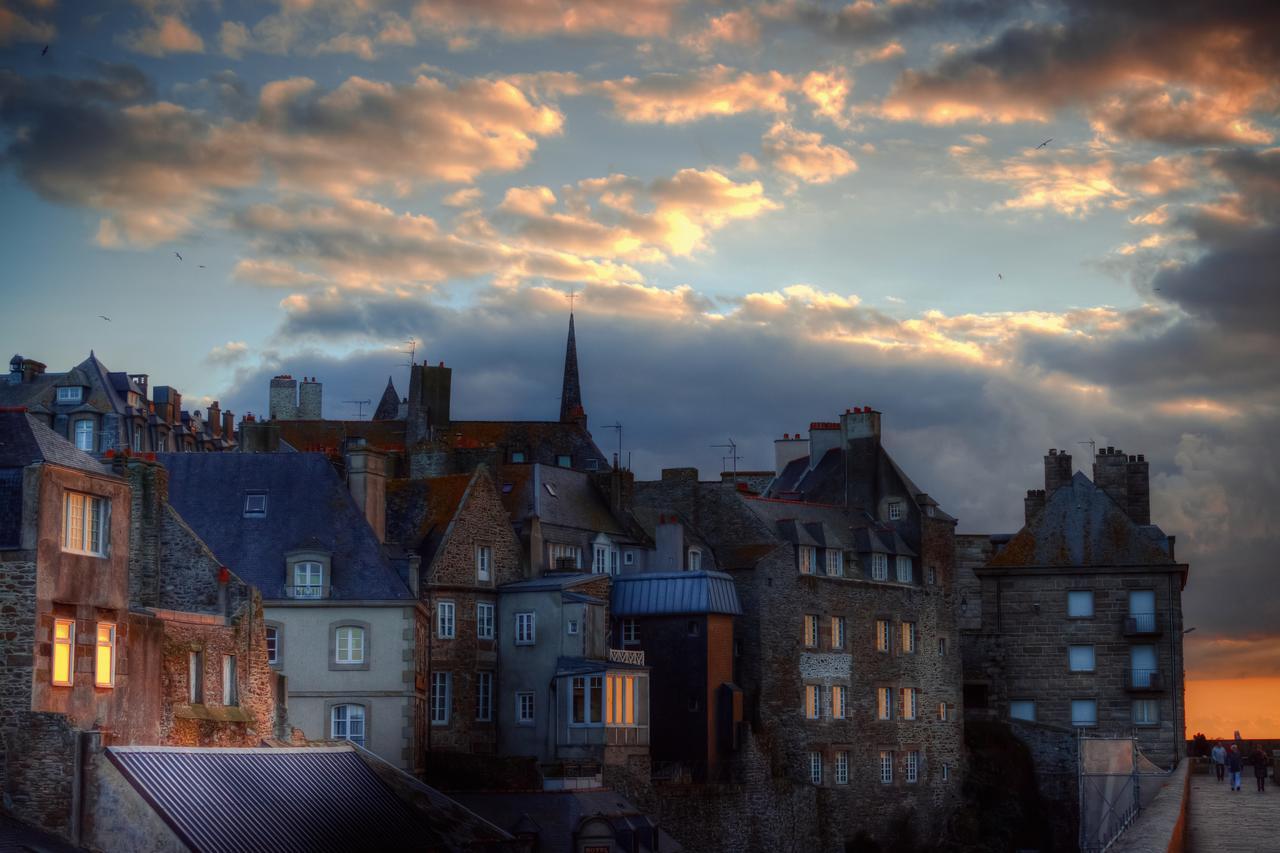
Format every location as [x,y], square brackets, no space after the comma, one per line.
[116,619]
[1075,621]
[99,410]
[846,648]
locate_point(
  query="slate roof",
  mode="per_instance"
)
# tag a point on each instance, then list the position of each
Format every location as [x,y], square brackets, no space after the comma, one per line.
[25,439]
[389,406]
[293,799]
[330,436]
[308,506]
[549,581]
[557,814]
[419,511]
[825,483]
[568,498]
[1081,525]
[661,593]
[805,523]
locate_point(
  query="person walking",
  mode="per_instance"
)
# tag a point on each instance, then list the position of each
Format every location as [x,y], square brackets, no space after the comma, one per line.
[1235,763]
[1259,759]
[1219,756]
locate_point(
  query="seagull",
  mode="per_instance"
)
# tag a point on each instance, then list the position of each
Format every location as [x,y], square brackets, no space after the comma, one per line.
[1000,276]
[201,266]
[46,50]
[1043,144]
[105,317]
[178,256]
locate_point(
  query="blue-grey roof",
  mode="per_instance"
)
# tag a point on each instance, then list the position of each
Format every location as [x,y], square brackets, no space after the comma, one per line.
[550,581]
[660,593]
[25,439]
[308,507]
[300,799]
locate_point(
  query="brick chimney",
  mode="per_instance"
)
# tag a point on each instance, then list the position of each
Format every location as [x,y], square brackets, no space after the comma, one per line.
[1057,471]
[788,449]
[214,420]
[1139,489]
[1033,504]
[229,425]
[1111,474]
[367,480]
[149,495]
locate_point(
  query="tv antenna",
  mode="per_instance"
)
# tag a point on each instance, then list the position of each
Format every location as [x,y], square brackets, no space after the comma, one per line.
[618,426]
[732,447]
[412,343]
[1093,449]
[359,404]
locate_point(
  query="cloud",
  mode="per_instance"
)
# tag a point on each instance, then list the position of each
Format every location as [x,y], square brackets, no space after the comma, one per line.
[233,39]
[828,91]
[804,155]
[739,26]
[166,34]
[885,52]
[232,352]
[520,19]
[15,27]
[465,197]
[677,98]
[356,45]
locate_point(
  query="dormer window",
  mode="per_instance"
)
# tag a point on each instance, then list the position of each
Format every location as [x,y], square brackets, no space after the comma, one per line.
[895,510]
[695,560]
[70,394]
[83,432]
[255,504]
[308,579]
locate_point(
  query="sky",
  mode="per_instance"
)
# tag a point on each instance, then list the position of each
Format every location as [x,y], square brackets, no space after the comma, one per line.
[1008,226]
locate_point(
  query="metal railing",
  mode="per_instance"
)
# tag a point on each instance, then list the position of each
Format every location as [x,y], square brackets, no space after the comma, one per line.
[1141,623]
[307,592]
[1143,679]
[631,656]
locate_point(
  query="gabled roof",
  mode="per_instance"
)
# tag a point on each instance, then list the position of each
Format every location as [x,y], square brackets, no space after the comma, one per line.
[389,406]
[312,798]
[568,498]
[308,507]
[663,593]
[819,525]
[25,440]
[1081,525]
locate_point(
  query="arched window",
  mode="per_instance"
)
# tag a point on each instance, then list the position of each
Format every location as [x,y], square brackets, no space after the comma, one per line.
[349,644]
[347,723]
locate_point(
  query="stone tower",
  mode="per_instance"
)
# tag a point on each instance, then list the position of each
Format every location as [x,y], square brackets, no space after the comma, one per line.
[571,410]
[282,404]
[309,399]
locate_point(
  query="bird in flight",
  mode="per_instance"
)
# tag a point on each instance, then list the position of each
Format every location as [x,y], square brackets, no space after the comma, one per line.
[105,317]
[201,266]
[178,256]
[1043,144]
[46,50]
[1000,276]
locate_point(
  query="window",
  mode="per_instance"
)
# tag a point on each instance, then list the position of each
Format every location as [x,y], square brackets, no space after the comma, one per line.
[445,624]
[879,567]
[904,569]
[811,631]
[349,645]
[195,678]
[946,772]
[835,562]
[837,632]
[517,456]
[307,579]
[629,558]
[630,632]
[566,556]
[884,703]
[694,628]
[913,767]
[564,461]
[231,692]
[600,561]
[69,394]
[83,524]
[524,708]
[255,504]
[588,700]
[808,559]
[882,635]
[484,621]
[620,700]
[1142,611]
[137,439]
[484,562]
[273,645]
[942,647]
[593,464]
[695,560]
[942,712]
[1080,604]
[1146,712]
[932,572]
[1080,658]
[84,434]
[839,701]
[895,510]
[484,696]
[886,766]
[346,722]
[525,629]
[908,638]
[812,701]
[441,697]
[64,644]
[1084,712]
[104,660]
[613,561]
[815,768]
[909,698]
[842,767]
[1022,709]
[573,627]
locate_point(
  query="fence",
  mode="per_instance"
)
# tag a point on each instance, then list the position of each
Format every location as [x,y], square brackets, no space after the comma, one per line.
[1111,788]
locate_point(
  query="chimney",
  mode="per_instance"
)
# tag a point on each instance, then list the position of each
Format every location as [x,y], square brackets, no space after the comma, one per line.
[862,422]
[309,399]
[215,420]
[1033,504]
[1110,473]
[430,389]
[823,438]
[1139,489]
[149,494]
[229,425]
[24,369]
[788,449]
[669,544]
[1057,471]
[282,400]
[259,436]
[367,480]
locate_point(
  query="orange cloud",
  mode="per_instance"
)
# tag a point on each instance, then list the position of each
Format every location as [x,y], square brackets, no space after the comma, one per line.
[737,27]
[804,155]
[829,91]
[677,98]
[167,34]
[535,18]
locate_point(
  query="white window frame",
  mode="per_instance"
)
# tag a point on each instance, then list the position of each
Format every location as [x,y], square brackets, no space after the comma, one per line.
[70,394]
[440,698]
[590,685]
[815,768]
[526,633]
[932,573]
[446,620]
[352,716]
[1075,600]
[484,696]
[884,636]
[1076,655]
[272,634]
[910,703]
[908,638]
[837,632]
[886,766]
[913,766]
[255,504]
[526,712]
[884,703]
[629,558]
[835,562]
[1147,719]
[484,563]
[557,551]
[84,439]
[484,620]
[1080,705]
[195,678]
[600,558]
[630,631]
[348,654]
[808,559]
[902,569]
[69,644]
[812,701]
[109,646]
[305,570]
[895,510]
[613,561]
[839,701]
[879,566]
[1026,706]
[695,559]
[230,685]
[85,524]
[572,627]
[842,767]
[810,631]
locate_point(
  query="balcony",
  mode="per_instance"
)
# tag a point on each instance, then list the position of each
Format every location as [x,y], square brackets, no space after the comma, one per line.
[631,656]
[1143,681]
[307,592]
[1141,625]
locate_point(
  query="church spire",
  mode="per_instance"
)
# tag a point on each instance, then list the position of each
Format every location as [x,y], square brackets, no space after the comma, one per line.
[571,394]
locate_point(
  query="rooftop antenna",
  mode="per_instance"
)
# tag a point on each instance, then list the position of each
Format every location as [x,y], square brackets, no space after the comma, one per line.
[1093,449]
[618,426]
[732,447]
[412,343]
[359,404]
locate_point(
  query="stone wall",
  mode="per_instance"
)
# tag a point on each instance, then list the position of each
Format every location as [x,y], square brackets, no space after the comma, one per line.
[17,640]
[39,753]
[1161,827]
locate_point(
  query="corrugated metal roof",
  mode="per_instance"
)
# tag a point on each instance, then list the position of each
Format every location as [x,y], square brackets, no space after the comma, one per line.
[312,799]
[656,593]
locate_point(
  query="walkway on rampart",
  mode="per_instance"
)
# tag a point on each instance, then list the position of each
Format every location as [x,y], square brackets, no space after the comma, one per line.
[1224,821]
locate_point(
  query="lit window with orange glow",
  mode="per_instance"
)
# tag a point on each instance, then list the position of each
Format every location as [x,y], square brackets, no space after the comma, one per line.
[64,639]
[104,661]
[621,700]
